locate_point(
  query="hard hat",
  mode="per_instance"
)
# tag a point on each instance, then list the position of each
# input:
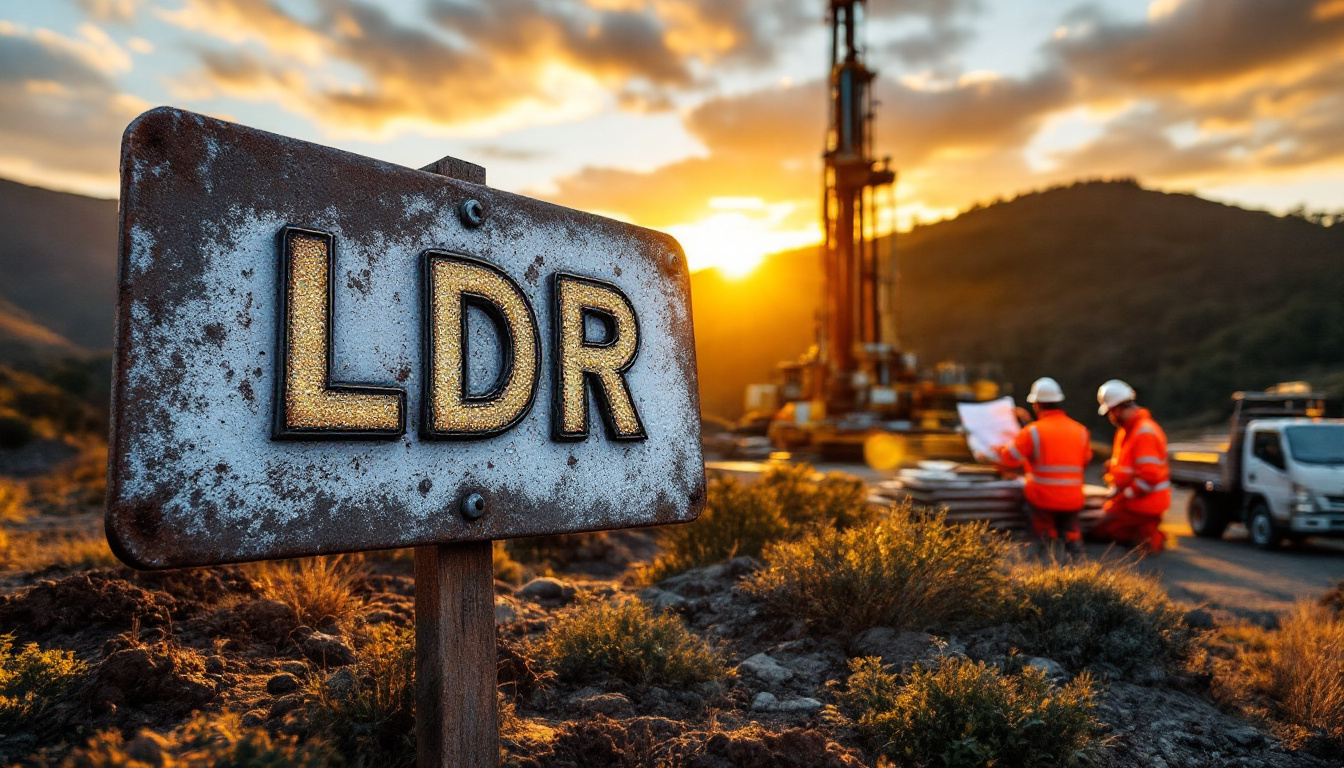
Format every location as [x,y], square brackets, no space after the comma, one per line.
[1112,393]
[1046,390]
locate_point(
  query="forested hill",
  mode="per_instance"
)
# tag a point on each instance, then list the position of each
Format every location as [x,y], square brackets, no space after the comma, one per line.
[1185,298]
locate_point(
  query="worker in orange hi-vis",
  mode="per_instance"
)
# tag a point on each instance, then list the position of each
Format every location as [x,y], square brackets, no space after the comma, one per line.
[1137,473]
[1053,451]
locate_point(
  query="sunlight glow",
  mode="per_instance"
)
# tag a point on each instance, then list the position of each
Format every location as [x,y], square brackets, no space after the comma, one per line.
[740,235]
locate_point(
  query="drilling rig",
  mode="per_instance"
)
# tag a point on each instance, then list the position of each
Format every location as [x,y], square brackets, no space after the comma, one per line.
[856,382]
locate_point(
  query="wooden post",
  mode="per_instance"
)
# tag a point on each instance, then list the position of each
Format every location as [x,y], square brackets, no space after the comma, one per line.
[456,715]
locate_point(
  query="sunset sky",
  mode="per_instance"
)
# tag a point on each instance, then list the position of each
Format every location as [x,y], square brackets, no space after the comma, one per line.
[705,118]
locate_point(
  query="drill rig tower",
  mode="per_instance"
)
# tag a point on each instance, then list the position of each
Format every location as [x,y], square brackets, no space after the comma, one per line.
[855,383]
[857,342]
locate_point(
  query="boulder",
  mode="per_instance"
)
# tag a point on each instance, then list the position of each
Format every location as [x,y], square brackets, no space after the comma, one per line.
[547,588]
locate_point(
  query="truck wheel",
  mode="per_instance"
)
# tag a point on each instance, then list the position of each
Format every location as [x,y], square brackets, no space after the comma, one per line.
[1264,534]
[1208,519]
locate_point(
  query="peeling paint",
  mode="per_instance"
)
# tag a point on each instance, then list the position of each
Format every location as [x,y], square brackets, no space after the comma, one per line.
[202,203]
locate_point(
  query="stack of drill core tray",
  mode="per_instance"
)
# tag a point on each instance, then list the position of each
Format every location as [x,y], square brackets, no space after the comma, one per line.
[970,493]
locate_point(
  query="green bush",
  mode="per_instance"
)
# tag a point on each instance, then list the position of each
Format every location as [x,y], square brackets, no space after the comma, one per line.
[367,712]
[31,679]
[964,713]
[624,640]
[741,519]
[906,571]
[218,741]
[15,432]
[1100,613]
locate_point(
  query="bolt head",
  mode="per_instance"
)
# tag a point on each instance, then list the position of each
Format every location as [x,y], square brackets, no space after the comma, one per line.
[473,506]
[472,213]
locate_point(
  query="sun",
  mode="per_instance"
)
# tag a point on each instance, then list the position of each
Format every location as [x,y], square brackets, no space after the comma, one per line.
[742,232]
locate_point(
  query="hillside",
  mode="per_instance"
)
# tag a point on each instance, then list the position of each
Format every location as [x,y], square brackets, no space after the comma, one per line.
[58,261]
[1186,298]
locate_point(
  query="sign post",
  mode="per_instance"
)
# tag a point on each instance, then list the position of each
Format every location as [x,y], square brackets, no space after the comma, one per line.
[456,699]
[320,353]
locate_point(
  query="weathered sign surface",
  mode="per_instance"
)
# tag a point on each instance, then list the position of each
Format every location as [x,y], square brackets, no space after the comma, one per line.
[318,352]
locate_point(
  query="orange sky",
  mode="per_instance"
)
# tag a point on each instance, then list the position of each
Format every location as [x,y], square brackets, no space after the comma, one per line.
[705,117]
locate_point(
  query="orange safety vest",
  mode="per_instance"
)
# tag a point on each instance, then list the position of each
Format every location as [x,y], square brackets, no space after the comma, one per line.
[1054,450]
[1138,465]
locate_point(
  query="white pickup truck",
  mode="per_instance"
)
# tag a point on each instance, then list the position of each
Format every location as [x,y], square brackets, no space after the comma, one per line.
[1280,472]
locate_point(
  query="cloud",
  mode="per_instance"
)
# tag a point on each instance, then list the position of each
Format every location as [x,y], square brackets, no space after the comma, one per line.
[110,10]
[1198,41]
[1202,92]
[61,115]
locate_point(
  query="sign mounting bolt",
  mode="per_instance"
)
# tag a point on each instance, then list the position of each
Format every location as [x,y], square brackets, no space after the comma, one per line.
[473,506]
[472,213]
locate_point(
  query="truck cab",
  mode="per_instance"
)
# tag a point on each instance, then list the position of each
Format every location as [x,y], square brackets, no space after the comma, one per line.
[1293,479]
[1280,472]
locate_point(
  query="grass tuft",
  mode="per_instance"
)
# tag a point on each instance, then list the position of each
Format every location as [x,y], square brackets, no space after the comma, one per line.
[319,589]
[959,712]
[1293,676]
[624,640]
[206,741]
[367,712]
[31,679]
[906,572]
[742,519]
[1101,613]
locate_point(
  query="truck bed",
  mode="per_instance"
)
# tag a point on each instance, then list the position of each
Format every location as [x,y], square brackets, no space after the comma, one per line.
[1198,463]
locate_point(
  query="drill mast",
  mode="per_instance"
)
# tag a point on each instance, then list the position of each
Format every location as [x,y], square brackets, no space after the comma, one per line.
[857,339]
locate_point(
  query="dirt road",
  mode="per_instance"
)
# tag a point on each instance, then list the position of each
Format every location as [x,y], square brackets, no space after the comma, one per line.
[1231,574]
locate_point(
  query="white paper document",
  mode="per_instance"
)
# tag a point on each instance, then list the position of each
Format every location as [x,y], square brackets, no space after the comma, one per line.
[989,425]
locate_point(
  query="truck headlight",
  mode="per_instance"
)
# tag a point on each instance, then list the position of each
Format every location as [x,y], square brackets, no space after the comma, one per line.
[1303,500]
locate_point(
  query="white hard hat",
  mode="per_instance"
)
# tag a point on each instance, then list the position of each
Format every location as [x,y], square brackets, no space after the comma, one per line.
[1112,393]
[1046,390]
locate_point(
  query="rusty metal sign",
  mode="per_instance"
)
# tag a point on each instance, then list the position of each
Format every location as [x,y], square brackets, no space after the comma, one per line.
[318,352]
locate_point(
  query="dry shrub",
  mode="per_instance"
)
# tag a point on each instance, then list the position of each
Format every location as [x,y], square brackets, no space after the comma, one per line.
[624,640]
[786,503]
[959,712]
[206,741]
[31,679]
[319,589]
[906,571]
[1293,676]
[506,568]
[1101,613]
[367,712]
[26,551]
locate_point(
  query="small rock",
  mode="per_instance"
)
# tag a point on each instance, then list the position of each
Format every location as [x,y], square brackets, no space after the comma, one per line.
[613,705]
[661,599]
[768,702]
[741,566]
[379,617]
[148,748]
[283,706]
[214,665]
[1049,667]
[765,668]
[327,650]
[341,682]
[295,667]
[253,718]
[1198,618]
[1246,736]
[281,684]
[895,647]
[764,702]
[547,588]
[506,611]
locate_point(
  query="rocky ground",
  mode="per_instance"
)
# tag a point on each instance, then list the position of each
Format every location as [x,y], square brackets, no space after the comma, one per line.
[160,646]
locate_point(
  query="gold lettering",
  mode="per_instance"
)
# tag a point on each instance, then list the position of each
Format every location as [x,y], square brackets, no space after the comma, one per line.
[309,404]
[580,362]
[452,284]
